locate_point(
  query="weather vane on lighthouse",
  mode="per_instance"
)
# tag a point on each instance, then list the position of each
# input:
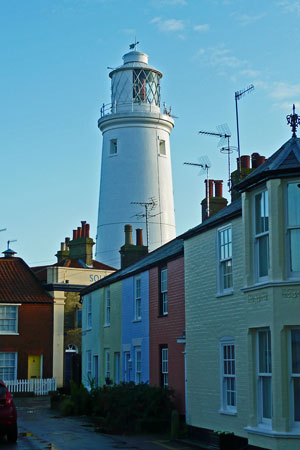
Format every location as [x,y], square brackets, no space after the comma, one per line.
[134,45]
[293,120]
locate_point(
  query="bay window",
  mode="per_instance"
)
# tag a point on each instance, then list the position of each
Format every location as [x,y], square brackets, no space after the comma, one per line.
[295,376]
[264,377]
[261,235]
[293,228]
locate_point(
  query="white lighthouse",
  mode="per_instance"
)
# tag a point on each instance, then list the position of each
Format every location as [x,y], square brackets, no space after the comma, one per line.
[136,176]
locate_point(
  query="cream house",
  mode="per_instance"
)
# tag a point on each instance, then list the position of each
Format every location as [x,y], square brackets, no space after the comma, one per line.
[242,293]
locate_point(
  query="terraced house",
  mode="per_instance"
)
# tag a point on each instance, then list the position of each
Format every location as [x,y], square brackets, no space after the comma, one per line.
[133,320]
[242,295]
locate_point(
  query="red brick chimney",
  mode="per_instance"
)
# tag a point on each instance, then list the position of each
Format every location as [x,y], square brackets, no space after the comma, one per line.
[215,202]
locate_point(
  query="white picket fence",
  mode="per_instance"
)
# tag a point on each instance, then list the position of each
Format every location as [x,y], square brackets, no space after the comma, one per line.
[40,386]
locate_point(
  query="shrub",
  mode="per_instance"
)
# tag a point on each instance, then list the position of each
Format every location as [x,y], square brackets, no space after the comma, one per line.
[67,407]
[130,408]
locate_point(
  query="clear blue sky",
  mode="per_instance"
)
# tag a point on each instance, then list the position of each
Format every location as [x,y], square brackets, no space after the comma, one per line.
[54,78]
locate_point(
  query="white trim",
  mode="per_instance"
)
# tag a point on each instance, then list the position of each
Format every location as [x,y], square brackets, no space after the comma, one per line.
[225,408]
[257,237]
[264,422]
[290,275]
[137,299]
[137,350]
[221,291]
[295,425]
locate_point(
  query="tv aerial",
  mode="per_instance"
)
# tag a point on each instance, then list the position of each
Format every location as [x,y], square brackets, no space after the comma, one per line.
[224,133]
[238,95]
[149,206]
[204,165]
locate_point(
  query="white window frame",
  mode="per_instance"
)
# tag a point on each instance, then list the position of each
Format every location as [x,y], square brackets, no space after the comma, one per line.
[228,375]
[165,366]
[4,307]
[96,370]
[107,363]
[14,367]
[113,147]
[164,290]
[263,375]
[162,150]
[259,236]
[107,306]
[89,312]
[290,227]
[117,367]
[138,365]
[127,367]
[137,298]
[224,255]
[293,377]
[88,366]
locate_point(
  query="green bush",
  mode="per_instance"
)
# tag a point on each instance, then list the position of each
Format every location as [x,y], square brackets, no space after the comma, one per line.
[130,408]
[67,407]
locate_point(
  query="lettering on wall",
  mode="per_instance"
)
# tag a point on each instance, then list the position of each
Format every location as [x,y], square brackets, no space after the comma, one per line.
[291,293]
[94,278]
[257,298]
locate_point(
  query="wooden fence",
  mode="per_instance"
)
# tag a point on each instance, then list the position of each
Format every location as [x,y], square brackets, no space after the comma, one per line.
[40,386]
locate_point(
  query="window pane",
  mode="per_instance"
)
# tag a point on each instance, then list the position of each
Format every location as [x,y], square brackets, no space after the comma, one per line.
[295,250]
[263,255]
[261,213]
[297,399]
[264,352]
[295,351]
[266,397]
[293,204]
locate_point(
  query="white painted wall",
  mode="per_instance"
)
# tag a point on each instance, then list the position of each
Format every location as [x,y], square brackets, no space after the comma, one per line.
[136,173]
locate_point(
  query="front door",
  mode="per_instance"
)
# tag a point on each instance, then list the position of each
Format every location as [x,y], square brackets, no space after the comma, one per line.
[34,366]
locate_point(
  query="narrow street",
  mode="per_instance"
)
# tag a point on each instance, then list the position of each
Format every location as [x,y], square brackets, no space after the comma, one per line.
[41,428]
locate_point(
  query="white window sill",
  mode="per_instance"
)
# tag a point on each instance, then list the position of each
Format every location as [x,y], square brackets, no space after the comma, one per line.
[106,325]
[137,320]
[9,333]
[267,284]
[224,294]
[265,431]
[227,412]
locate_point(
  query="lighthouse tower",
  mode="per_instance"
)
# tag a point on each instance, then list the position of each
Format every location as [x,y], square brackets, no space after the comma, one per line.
[136,179]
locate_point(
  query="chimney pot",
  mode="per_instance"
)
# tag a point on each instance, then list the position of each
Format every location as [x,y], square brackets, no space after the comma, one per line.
[139,236]
[218,188]
[128,234]
[74,234]
[78,232]
[210,188]
[87,230]
[257,160]
[245,162]
[83,222]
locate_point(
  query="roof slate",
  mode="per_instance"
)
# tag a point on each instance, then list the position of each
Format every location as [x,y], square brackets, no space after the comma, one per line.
[19,284]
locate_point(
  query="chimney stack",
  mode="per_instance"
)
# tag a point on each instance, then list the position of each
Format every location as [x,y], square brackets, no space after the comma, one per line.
[215,202]
[129,252]
[237,176]
[81,246]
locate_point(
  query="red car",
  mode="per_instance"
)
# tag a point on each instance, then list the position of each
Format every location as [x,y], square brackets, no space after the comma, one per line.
[8,415]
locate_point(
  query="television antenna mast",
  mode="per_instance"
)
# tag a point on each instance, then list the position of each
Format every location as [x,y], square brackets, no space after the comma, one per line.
[149,206]
[238,95]
[11,240]
[224,133]
[205,165]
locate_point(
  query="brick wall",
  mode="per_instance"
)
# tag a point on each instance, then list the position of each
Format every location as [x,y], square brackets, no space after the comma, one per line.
[165,329]
[35,328]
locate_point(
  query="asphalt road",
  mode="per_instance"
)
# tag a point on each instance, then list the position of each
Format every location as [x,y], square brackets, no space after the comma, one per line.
[41,428]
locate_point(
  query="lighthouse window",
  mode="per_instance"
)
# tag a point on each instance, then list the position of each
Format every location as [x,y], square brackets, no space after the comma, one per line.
[162,147]
[113,150]
[146,87]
